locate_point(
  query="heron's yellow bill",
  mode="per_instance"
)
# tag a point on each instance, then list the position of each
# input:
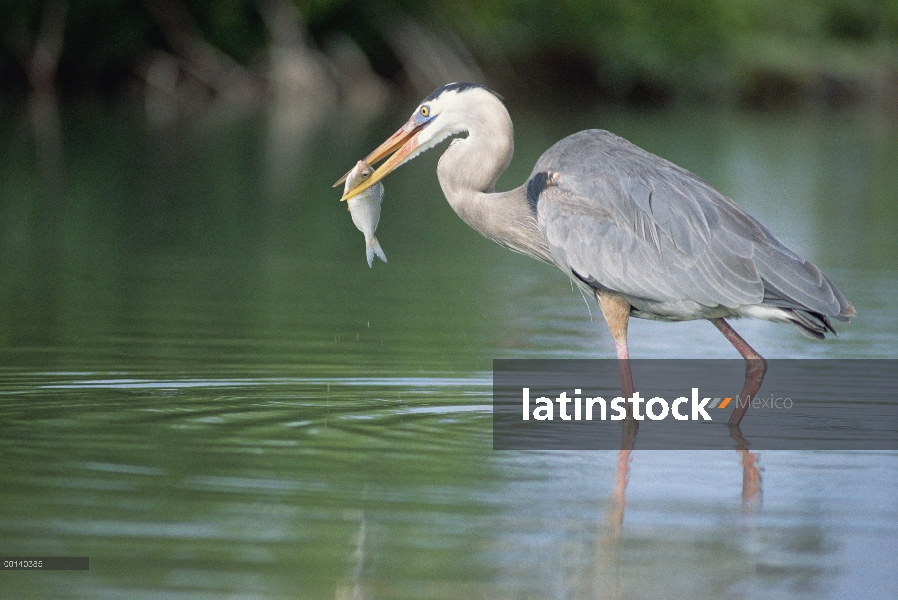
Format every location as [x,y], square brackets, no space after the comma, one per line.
[403,143]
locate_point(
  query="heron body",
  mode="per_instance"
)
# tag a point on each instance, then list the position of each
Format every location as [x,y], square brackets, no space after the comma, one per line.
[671,245]
[648,238]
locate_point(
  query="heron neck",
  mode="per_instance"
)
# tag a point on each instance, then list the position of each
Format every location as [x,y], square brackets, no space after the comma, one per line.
[468,172]
[475,163]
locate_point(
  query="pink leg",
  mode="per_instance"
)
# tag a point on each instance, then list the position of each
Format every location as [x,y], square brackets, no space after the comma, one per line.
[615,518]
[751,473]
[751,479]
[755,368]
[616,311]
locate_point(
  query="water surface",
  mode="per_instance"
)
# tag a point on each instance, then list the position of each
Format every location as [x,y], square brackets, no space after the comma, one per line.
[205,389]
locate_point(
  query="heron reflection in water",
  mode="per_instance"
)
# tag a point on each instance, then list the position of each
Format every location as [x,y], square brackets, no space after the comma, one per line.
[646,238]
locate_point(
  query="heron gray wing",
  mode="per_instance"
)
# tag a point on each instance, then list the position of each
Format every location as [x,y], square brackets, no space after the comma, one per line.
[632,222]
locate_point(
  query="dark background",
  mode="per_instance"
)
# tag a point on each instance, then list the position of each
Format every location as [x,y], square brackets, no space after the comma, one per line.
[746,53]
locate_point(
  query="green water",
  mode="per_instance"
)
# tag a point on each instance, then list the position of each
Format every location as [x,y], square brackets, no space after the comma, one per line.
[205,389]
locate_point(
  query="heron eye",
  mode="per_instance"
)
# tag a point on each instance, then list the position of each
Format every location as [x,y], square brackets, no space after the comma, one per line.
[366,173]
[425,111]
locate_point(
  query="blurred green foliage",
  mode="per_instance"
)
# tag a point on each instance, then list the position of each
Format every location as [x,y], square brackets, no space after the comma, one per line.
[665,48]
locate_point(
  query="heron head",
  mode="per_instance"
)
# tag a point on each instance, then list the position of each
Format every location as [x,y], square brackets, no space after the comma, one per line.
[447,111]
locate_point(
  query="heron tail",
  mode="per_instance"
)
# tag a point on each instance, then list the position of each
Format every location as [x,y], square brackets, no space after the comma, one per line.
[812,323]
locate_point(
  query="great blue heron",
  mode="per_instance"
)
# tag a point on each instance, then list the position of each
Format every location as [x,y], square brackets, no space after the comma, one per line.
[647,238]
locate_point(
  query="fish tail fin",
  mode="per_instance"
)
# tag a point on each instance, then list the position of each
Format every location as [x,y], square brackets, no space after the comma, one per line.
[375,246]
[369,254]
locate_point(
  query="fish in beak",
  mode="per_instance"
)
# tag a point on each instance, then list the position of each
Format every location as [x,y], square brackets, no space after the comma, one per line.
[365,208]
[403,143]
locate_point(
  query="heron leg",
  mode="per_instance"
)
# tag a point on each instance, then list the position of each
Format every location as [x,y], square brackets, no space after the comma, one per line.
[615,519]
[751,472]
[755,368]
[616,311]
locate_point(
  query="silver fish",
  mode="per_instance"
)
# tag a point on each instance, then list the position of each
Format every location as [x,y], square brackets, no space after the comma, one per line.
[365,208]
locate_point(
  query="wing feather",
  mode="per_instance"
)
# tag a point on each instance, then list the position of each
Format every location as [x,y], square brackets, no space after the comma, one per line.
[626,220]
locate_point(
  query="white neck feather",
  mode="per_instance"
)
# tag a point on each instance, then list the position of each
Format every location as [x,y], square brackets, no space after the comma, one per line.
[468,171]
